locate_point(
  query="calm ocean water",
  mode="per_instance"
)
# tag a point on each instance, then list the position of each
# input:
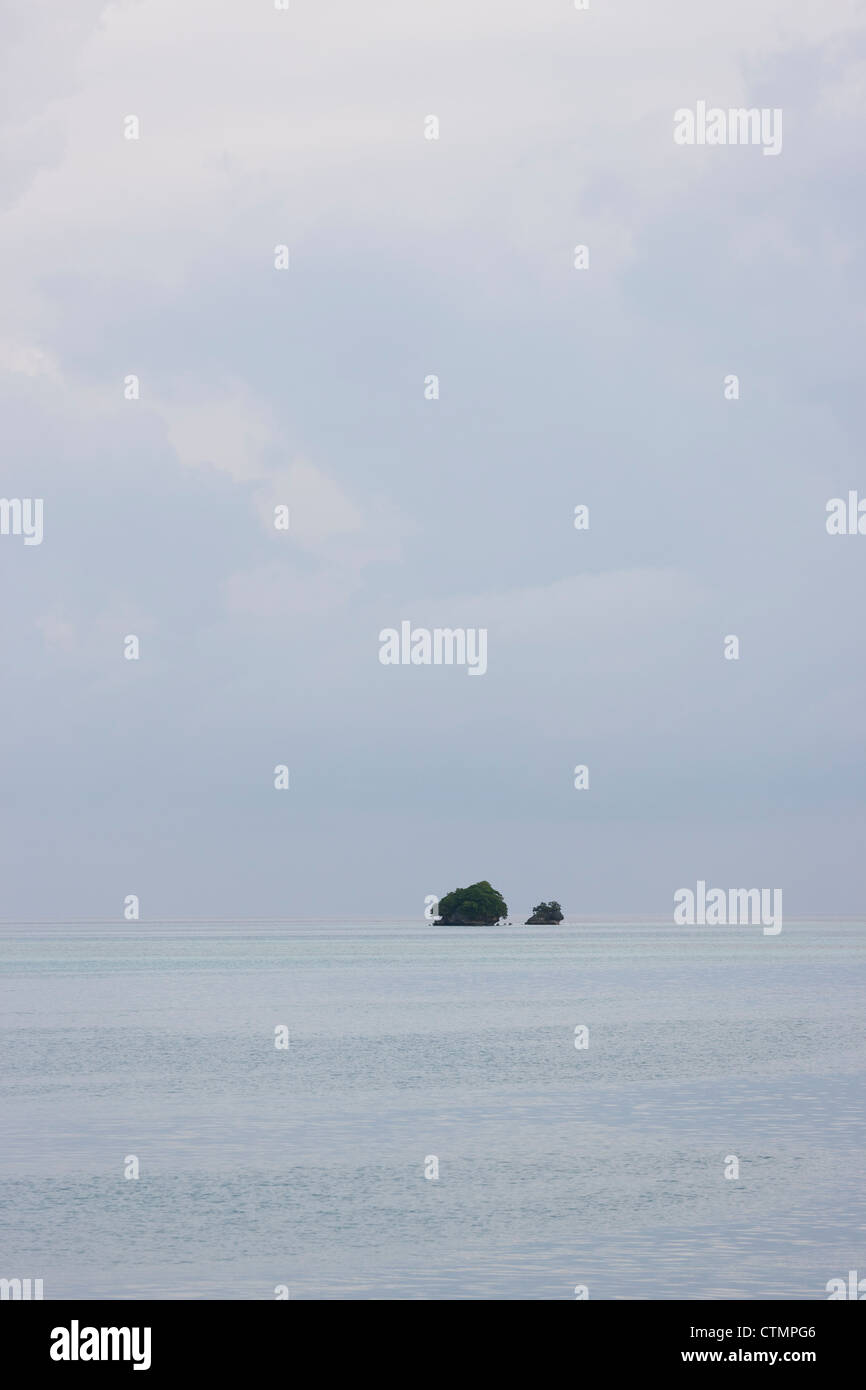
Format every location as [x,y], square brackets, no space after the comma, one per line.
[306,1167]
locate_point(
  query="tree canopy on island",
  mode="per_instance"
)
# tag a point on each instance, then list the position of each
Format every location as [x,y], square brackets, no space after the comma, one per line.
[479,905]
[545,914]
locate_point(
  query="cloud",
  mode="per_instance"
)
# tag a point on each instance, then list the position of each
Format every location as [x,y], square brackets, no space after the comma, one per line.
[229,431]
[319,507]
[58,632]
[304,387]
[26,359]
[331,542]
[264,126]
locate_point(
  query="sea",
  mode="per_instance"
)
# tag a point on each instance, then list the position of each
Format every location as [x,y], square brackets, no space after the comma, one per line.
[397,1110]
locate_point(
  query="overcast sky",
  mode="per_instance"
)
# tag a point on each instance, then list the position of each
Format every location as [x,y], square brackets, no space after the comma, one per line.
[411,257]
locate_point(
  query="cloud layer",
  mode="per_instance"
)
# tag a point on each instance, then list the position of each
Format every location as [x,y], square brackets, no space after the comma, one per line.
[259,387]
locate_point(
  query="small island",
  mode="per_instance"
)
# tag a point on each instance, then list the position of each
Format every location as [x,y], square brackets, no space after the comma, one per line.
[545,914]
[479,905]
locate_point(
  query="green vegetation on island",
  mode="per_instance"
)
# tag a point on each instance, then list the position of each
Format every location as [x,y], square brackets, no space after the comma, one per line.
[479,905]
[545,914]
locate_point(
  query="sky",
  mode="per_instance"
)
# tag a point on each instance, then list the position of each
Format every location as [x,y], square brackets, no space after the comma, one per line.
[412,257]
